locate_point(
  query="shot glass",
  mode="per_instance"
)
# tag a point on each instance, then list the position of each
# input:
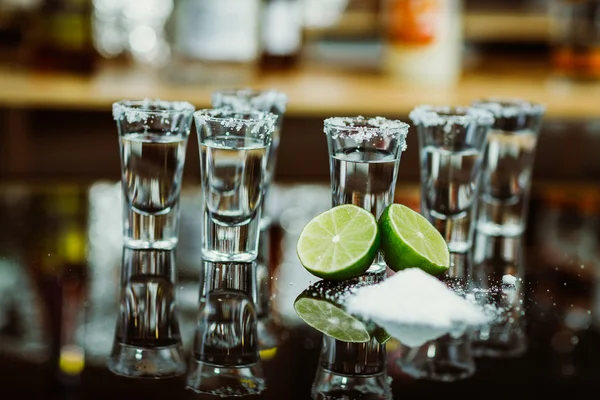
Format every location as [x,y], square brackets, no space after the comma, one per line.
[507,166]
[153,136]
[452,141]
[364,156]
[147,342]
[225,359]
[233,164]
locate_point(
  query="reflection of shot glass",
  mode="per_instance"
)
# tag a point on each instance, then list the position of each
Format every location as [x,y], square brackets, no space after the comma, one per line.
[351,371]
[225,359]
[499,280]
[451,141]
[147,341]
[507,165]
[364,156]
[233,158]
[153,140]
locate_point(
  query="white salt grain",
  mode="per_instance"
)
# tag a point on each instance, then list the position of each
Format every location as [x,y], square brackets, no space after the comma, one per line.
[415,307]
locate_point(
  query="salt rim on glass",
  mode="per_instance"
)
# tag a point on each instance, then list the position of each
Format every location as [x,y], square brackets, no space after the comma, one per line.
[362,129]
[255,120]
[509,107]
[245,99]
[448,116]
[139,110]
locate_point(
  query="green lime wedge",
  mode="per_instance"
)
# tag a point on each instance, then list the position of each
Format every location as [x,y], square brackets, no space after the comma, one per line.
[340,243]
[331,320]
[408,240]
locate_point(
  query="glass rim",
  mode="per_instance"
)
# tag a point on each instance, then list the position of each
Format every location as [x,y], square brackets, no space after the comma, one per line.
[249,98]
[507,107]
[135,109]
[365,128]
[233,118]
[429,115]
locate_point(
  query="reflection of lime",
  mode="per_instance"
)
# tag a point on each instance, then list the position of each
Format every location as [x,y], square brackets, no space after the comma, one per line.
[340,243]
[331,320]
[408,240]
[380,334]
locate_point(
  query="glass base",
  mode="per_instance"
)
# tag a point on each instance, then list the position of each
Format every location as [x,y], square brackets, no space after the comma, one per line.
[507,230]
[135,244]
[492,349]
[332,386]
[141,231]
[143,362]
[456,229]
[225,381]
[500,342]
[446,359]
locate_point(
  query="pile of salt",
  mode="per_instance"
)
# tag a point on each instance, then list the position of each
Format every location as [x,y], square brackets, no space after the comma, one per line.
[415,307]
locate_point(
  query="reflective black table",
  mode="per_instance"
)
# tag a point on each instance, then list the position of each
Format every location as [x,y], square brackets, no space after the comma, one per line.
[60,261]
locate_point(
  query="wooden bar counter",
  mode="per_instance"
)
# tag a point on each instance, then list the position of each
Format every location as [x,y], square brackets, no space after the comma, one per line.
[313,92]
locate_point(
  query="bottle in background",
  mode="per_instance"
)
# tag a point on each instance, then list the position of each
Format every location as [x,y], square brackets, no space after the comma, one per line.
[423,40]
[281,34]
[61,38]
[575,36]
[214,41]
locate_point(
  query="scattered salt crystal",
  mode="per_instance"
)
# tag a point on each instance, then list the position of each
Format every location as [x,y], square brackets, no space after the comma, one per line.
[415,307]
[509,279]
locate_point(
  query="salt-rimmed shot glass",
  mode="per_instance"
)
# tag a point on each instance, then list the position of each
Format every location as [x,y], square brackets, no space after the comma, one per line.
[233,160]
[452,141]
[153,136]
[364,157]
[507,166]
[275,102]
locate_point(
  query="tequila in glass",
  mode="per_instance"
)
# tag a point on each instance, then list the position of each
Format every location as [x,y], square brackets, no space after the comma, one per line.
[153,139]
[364,156]
[507,166]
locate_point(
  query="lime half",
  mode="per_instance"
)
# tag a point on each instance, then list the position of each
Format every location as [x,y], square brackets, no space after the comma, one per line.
[408,240]
[331,320]
[340,243]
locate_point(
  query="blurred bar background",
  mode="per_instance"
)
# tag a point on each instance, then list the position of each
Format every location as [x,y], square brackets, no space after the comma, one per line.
[63,62]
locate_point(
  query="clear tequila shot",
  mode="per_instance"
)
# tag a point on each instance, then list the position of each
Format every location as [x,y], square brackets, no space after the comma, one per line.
[153,137]
[364,156]
[507,166]
[451,142]
[233,160]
